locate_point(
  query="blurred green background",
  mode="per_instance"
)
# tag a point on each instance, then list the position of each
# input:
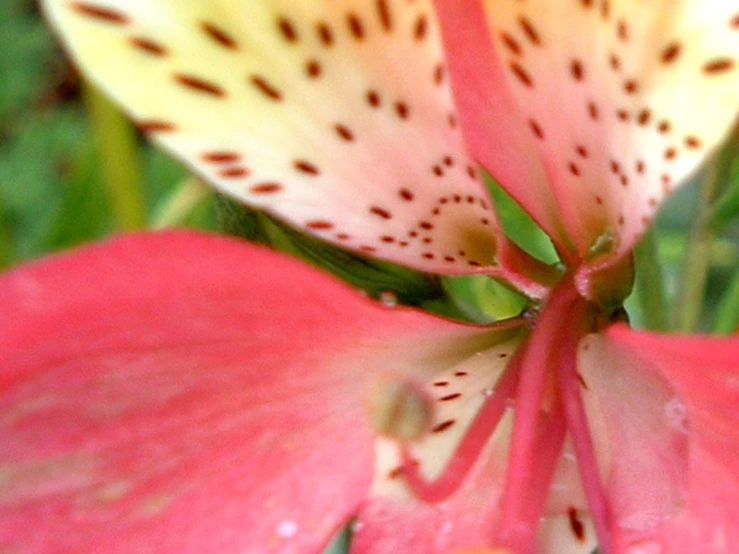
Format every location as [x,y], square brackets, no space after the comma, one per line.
[73,171]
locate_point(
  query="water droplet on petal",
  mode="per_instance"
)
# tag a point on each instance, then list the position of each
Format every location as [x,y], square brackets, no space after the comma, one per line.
[649,547]
[677,415]
[446,527]
[487,392]
[287,529]
[356,526]
[389,298]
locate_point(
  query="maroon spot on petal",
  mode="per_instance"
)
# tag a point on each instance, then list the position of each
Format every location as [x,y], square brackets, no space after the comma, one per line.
[622,31]
[419,31]
[621,220]
[148,46]
[381,212]
[536,128]
[306,167]
[413,234]
[452,120]
[624,181]
[461,373]
[529,30]
[313,69]
[344,132]
[510,43]
[439,74]
[343,236]
[576,70]
[428,255]
[615,62]
[387,239]
[199,85]
[287,29]
[692,142]
[719,65]
[593,110]
[630,86]
[355,26]
[666,180]
[443,426]
[405,194]
[599,200]
[401,108]
[503,355]
[485,221]
[384,14]
[521,74]
[452,396]
[427,240]
[623,115]
[652,201]
[373,98]
[587,3]
[644,116]
[443,200]
[218,35]
[471,172]
[367,248]
[220,156]
[670,153]
[319,225]
[403,243]
[734,23]
[440,383]
[448,161]
[574,169]
[457,198]
[473,263]
[449,259]
[664,127]
[426,225]
[670,52]
[438,170]
[266,88]
[640,167]
[155,126]
[576,526]
[233,172]
[266,188]
[325,35]
[581,151]
[615,166]
[105,14]
[605,9]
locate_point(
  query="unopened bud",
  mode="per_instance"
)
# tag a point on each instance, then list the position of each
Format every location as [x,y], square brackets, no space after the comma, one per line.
[400,408]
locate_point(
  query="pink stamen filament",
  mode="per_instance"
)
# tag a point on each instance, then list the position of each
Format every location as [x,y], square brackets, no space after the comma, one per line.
[577,424]
[548,357]
[519,520]
[469,448]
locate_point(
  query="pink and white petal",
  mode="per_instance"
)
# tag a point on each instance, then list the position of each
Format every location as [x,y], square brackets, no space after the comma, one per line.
[336,116]
[616,97]
[499,138]
[677,398]
[178,393]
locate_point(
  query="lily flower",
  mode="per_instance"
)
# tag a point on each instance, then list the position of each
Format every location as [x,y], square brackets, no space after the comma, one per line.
[179,392]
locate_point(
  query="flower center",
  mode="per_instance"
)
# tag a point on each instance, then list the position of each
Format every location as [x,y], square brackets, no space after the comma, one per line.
[544,386]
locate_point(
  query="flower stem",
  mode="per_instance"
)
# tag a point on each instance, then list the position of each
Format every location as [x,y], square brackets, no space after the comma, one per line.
[650,289]
[116,141]
[697,256]
[727,318]
[180,203]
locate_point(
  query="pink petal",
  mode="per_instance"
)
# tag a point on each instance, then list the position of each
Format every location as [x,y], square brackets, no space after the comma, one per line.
[615,98]
[187,393]
[337,117]
[673,466]
[499,138]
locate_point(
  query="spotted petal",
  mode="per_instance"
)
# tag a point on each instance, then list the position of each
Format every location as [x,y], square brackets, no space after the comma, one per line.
[673,469]
[336,116]
[216,419]
[621,99]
